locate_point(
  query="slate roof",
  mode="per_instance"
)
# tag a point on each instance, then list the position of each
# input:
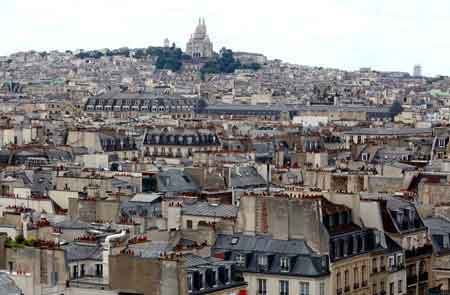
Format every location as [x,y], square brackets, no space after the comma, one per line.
[77,251]
[145,197]
[151,250]
[440,234]
[246,177]
[140,208]
[389,131]
[72,224]
[210,210]
[7,285]
[176,181]
[302,259]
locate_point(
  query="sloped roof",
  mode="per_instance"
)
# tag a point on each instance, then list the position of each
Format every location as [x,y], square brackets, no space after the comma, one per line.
[302,260]
[77,251]
[210,210]
[7,285]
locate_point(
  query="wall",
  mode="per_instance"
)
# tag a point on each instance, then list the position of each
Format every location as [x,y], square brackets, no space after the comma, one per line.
[294,283]
[384,184]
[62,197]
[147,276]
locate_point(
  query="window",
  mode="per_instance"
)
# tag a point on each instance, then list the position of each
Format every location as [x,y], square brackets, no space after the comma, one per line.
[382,286]
[234,241]
[284,264]
[189,224]
[240,259]
[82,270]
[284,287]
[304,288]
[75,271]
[382,263]
[322,288]
[346,280]
[400,289]
[364,156]
[374,265]
[262,260]
[189,282]
[99,270]
[355,277]
[363,275]
[399,259]
[391,288]
[262,287]
[391,261]
[338,280]
[200,279]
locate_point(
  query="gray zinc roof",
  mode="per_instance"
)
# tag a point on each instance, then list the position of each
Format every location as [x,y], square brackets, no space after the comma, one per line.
[210,210]
[7,285]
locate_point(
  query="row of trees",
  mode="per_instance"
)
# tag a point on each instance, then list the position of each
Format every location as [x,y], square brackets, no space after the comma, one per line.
[226,63]
[171,58]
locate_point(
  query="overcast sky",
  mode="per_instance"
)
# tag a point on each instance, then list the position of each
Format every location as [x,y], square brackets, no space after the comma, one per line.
[348,34]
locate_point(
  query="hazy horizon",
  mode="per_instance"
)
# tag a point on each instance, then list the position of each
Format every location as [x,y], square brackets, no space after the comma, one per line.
[344,34]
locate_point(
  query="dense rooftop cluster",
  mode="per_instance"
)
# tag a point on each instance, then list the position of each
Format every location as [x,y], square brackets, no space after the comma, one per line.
[163,171]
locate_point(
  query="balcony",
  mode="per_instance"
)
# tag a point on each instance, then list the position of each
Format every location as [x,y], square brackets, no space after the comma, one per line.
[339,291]
[382,268]
[356,286]
[347,289]
[374,270]
[364,284]
[411,280]
[423,276]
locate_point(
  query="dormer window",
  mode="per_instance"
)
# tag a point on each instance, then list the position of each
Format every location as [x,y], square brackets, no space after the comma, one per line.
[240,259]
[364,157]
[190,283]
[234,241]
[284,264]
[399,259]
[262,260]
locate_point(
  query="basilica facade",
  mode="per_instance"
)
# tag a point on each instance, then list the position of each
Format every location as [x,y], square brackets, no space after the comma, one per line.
[199,45]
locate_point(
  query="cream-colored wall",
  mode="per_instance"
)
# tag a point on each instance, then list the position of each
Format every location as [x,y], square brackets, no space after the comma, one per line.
[37,205]
[371,215]
[294,283]
[62,197]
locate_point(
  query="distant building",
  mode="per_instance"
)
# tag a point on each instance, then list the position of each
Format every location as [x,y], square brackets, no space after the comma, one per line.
[199,44]
[417,72]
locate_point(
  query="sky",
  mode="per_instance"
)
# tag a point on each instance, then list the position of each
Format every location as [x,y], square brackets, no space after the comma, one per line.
[345,34]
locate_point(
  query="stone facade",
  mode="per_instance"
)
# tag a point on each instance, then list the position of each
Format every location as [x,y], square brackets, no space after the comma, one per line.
[199,45]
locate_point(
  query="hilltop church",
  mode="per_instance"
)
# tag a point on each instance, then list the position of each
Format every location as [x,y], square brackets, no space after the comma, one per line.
[199,45]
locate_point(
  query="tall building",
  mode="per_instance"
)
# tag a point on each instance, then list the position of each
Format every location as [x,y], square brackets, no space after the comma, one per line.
[417,72]
[199,44]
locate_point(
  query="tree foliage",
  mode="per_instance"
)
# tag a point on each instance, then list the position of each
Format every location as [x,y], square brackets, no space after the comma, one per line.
[396,108]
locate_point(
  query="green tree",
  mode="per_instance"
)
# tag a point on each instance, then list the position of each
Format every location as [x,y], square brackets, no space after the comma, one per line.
[396,108]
